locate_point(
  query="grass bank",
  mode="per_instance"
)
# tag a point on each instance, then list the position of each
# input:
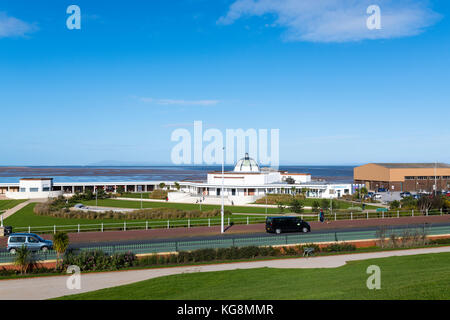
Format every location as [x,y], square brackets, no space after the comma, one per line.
[410,277]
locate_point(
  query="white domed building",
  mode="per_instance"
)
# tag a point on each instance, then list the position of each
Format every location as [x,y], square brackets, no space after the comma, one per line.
[248,182]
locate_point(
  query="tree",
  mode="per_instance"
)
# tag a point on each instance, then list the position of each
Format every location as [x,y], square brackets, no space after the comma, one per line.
[162,185]
[177,186]
[364,191]
[101,193]
[315,206]
[324,204]
[424,203]
[23,259]
[293,191]
[120,189]
[296,206]
[60,244]
[394,205]
[304,191]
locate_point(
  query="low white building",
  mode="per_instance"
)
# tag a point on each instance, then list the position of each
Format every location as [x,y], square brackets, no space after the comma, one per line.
[248,182]
[34,188]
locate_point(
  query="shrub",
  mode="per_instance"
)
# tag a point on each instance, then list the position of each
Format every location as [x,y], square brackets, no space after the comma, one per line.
[440,241]
[49,209]
[98,260]
[310,245]
[339,247]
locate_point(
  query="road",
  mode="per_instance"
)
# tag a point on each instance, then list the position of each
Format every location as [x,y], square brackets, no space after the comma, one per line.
[315,234]
[53,287]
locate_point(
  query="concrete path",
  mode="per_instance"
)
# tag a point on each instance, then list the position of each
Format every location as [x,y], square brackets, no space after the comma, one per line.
[52,287]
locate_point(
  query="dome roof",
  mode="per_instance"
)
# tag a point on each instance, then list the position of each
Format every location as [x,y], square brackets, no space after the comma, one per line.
[246,164]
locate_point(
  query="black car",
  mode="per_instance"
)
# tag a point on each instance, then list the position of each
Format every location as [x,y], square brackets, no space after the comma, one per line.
[405,194]
[286,224]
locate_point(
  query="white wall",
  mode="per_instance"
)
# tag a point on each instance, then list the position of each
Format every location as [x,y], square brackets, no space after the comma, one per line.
[33,195]
[39,184]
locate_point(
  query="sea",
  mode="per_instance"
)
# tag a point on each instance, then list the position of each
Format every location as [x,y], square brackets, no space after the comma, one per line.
[10,174]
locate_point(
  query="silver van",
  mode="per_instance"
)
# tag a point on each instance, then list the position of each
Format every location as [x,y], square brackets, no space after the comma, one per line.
[31,241]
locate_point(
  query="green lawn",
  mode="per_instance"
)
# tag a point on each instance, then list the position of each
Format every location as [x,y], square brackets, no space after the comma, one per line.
[26,217]
[424,276]
[8,204]
[145,195]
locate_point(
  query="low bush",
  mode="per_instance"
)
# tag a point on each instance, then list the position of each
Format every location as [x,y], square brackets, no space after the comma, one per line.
[339,247]
[98,260]
[310,245]
[49,209]
[440,241]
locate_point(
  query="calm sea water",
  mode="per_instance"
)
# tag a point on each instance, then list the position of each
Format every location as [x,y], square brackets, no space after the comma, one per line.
[338,174]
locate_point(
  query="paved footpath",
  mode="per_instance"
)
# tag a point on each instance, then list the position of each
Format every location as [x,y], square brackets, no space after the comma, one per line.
[55,286]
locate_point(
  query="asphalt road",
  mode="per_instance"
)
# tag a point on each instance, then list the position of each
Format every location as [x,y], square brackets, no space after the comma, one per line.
[249,235]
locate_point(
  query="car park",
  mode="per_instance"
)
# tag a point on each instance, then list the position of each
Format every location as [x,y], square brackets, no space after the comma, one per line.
[286,224]
[31,241]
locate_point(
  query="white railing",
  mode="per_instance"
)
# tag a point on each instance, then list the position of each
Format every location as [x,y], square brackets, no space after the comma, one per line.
[145,225]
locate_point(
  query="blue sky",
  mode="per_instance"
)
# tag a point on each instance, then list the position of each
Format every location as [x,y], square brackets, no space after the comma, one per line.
[137,70]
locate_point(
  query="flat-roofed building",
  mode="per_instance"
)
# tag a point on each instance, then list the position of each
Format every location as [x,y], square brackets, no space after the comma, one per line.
[412,177]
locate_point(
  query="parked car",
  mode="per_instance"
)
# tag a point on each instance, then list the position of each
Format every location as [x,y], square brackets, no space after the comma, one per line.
[286,224]
[448,194]
[377,196]
[31,241]
[381,189]
[370,194]
[405,194]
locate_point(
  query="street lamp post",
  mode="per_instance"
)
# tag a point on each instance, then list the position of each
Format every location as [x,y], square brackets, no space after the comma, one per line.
[266,202]
[221,192]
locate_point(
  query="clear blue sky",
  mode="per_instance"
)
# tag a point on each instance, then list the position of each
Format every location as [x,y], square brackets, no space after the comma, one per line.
[137,70]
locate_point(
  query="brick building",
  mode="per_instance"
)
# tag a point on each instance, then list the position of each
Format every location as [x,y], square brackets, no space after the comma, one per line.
[413,177]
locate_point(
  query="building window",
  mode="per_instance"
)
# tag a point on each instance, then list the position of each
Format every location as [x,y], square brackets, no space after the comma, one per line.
[421,178]
[23,190]
[410,178]
[34,189]
[233,192]
[46,189]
